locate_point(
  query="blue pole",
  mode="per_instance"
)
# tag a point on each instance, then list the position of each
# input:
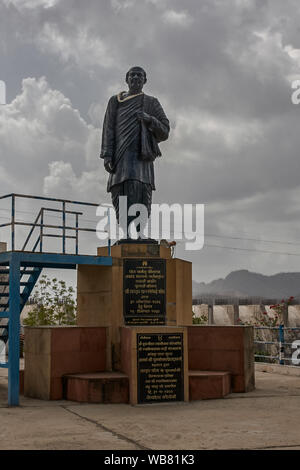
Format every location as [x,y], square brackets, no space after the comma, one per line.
[64,225]
[13,209]
[41,230]
[76,234]
[281,344]
[14,331]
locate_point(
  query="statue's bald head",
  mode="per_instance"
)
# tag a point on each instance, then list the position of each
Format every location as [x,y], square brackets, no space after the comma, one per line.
[140,70]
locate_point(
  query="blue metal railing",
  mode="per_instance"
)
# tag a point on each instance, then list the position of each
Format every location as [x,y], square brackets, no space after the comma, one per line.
[281,344]
[39,222]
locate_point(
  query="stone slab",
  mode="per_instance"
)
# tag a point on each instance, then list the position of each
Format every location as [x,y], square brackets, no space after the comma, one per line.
[103,387]
[224,348]
[205,385]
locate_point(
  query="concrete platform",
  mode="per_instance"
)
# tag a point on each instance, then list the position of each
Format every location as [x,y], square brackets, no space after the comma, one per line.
[266,418]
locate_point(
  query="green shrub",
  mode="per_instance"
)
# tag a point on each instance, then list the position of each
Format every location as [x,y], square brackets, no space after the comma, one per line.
[54,304]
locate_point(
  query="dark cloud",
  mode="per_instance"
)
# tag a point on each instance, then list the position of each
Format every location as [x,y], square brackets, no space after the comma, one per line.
[222,71]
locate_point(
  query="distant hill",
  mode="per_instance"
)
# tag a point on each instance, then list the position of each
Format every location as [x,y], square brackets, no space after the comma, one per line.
[244,283]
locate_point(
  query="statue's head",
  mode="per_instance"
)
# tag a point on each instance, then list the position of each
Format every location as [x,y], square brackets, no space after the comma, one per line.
[136,78]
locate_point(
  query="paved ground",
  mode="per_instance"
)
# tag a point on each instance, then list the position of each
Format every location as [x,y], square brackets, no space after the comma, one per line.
[268,418]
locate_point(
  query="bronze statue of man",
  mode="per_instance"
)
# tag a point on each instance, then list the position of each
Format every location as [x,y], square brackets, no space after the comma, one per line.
[134,124]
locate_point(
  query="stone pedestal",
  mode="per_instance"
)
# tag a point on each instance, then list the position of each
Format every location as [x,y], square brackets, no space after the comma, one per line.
[145,286]
[135,341]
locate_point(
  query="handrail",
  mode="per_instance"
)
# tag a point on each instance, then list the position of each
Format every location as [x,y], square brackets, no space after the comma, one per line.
[281,343]
[63,227]
[44,198]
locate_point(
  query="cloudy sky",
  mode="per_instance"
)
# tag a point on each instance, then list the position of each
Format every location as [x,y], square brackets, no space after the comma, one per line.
[222,71]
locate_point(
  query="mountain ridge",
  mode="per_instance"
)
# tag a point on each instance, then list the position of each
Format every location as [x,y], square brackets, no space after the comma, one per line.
[244,283]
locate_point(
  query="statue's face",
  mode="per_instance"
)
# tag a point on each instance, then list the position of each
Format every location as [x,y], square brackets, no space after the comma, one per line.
[136,80]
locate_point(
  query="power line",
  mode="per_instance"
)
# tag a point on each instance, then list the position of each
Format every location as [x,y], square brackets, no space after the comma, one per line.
[246,249]
[253,249]
[251,239]
[281,242]
[239,238]
[193,233]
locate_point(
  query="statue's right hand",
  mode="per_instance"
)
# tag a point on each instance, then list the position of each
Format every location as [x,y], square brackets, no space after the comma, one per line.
[108,165]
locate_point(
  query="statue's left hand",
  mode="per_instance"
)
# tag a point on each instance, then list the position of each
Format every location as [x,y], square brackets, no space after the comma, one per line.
[108,165]
[142,116]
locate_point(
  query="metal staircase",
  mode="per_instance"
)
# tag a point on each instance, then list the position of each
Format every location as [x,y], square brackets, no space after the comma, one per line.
[26,288]
[20,270]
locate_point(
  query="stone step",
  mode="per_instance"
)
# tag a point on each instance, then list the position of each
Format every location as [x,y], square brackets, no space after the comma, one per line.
[205,385]
[97,387]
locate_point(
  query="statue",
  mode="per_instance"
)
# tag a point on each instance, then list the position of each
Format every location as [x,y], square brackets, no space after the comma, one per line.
[134,124]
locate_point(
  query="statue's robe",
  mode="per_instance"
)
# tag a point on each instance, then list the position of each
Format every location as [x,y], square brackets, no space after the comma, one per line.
[121,138]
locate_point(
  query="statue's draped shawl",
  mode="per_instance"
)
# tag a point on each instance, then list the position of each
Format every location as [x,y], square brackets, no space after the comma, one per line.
[121,137]
[128,126]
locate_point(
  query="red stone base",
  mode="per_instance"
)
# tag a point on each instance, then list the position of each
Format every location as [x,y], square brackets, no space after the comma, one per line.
[70,363]
[54,351]
[101,387]
[224,348]
[204,385]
